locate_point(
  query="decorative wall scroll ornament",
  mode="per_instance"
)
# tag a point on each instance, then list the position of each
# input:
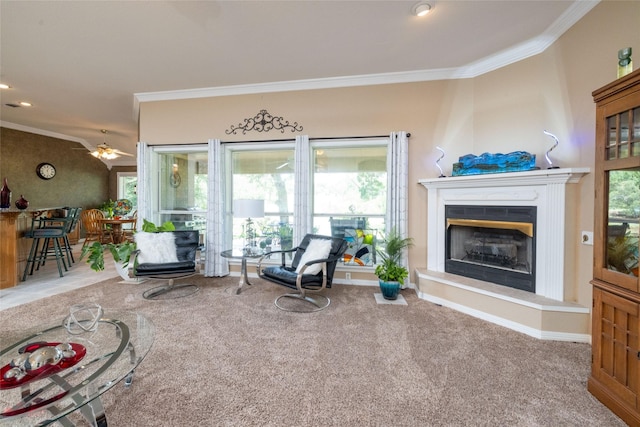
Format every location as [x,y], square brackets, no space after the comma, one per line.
[442,175]
[546,156]
[264,122]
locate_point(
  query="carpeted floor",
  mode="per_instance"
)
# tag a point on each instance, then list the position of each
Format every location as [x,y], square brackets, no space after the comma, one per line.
[221,359]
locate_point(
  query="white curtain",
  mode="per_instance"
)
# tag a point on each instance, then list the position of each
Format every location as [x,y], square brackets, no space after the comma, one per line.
[397,187]
[302,199]
[215,264]
[143,188]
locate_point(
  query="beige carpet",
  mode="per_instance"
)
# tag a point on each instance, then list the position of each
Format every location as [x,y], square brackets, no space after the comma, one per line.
[221,359]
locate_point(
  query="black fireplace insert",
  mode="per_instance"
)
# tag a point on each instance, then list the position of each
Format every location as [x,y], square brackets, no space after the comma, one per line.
[492,243]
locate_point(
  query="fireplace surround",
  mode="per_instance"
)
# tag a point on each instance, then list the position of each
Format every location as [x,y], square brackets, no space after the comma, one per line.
[546,309]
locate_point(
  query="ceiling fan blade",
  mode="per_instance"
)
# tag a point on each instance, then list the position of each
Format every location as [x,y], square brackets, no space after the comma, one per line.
[122,153]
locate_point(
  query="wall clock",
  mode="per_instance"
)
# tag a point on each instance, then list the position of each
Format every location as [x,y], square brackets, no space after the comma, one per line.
[46,170]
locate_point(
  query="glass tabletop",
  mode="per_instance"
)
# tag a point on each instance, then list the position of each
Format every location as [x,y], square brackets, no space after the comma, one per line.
[242,253]
[66,371]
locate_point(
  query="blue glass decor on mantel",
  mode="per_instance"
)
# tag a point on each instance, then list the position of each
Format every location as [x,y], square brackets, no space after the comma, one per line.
[517,161]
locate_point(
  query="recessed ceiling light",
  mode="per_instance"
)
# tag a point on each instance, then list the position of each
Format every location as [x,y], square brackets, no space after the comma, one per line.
[421,9]
[4,86]
[25,104]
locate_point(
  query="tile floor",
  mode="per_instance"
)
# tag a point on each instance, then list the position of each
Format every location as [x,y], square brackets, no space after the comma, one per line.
[47,281]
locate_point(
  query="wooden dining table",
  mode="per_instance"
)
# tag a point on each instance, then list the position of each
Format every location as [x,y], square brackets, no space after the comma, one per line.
[116,227]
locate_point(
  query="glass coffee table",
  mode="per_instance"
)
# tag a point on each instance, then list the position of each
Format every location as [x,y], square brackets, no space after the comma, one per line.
[59,373]
[242,255]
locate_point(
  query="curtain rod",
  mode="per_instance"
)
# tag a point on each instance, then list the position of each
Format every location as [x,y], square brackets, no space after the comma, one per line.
[310,139]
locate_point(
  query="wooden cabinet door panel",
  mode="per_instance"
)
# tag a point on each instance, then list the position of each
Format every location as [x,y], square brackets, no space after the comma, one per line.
[615,359]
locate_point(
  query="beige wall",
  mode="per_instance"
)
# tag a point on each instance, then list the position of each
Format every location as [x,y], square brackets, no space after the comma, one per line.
[81,180]
[501,111]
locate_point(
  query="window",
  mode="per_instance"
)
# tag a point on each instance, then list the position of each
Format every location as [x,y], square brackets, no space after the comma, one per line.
[180,185]
[348,192]
[128,187]
[257,172]
[341,190]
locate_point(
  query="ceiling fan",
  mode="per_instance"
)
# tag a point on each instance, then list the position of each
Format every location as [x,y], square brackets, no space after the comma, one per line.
[104,151]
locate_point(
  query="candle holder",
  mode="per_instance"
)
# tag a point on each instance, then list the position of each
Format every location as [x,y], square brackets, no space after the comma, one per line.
[546,155]
[442,175]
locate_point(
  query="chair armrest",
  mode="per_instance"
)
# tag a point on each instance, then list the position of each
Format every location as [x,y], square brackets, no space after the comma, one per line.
[282,252]
[282,262]
[52,222]
[325,260]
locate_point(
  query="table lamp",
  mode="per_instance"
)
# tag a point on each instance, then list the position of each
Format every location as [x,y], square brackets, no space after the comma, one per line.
[249,208]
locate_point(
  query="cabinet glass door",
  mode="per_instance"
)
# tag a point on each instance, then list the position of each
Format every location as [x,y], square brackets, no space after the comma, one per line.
[622,222]
[623,135]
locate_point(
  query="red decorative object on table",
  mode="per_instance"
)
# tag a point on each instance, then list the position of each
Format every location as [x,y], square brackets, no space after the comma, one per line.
[26,375]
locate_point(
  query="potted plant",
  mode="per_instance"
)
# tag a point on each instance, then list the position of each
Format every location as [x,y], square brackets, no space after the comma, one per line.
[121,252]
[622,254]
[107,208]
[390,272]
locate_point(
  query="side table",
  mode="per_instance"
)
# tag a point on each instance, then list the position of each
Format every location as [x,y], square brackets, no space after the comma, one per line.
[242,255]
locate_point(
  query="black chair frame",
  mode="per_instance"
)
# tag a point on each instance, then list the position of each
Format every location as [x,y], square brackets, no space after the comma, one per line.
[304,284]
[187,248]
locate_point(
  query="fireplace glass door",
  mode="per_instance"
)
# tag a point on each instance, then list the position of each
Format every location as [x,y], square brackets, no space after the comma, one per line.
[494,244]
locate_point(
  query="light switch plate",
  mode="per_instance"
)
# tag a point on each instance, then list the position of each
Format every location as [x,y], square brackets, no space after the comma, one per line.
[587,237]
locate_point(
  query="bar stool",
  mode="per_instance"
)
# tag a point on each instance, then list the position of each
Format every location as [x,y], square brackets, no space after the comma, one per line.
[69,224]
[38,256]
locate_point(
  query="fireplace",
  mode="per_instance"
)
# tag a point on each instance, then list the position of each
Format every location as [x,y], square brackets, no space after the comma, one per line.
[492,243]
[514,224]
[544,190]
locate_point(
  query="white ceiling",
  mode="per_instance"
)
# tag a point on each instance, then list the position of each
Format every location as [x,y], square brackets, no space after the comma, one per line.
[84,65]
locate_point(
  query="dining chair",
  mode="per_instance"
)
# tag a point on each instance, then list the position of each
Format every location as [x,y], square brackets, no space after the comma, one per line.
[128,230]
[93,228]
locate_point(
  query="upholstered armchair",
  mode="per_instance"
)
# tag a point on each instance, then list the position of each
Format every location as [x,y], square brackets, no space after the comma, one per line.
[167,255]
[310,272]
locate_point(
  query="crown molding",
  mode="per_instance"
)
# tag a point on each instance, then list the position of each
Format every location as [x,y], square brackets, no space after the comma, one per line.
[43,132]
[293,85]
[531,47]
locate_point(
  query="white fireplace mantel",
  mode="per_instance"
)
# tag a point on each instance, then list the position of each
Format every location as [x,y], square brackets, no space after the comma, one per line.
[544,189]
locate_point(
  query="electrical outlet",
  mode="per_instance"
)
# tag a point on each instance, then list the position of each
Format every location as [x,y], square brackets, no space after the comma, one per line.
[587,237]
[347,276]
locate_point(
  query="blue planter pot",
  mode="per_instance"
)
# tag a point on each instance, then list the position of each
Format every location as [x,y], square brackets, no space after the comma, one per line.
[390,290]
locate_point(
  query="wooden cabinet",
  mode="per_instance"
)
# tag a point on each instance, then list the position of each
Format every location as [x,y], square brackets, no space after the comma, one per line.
[615,368]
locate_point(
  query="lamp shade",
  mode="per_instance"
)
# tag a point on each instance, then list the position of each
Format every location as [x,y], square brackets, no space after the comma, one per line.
[248,208]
